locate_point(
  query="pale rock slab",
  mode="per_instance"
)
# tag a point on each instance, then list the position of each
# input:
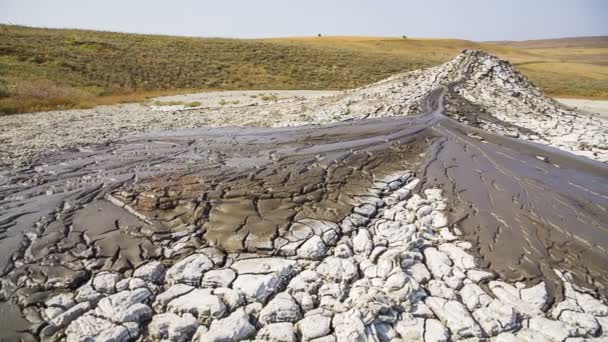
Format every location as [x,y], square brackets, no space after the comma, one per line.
[410,328]
[474,297]
[438,288]
[277,332]
[419,272]
[555,330]
[171,293]
[105,282]
[259,278]
[201,303]
[313,249]
[438,263]
[218,278]
[172,327]
[362,242]
[509,294]
[496,318]
[435,331]
[537,295]
[189,270]
[314,326]
[64,319]
[461,259]
[348,327]
[455,316]
[338,269]
[115,306]
[584,323]
[478,276]
[153,271]
[230,297]
[235,327]
[282,308]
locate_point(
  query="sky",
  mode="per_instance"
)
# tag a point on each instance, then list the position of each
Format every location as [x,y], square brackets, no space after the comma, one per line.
[478,20]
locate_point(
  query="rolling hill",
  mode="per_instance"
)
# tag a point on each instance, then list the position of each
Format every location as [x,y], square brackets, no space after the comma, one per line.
[44,69]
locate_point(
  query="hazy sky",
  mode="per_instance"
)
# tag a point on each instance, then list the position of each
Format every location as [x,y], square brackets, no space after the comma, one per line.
[468,19]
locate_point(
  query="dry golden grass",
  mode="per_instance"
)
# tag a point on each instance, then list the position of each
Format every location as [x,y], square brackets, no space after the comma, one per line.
[45,69]
[564,67]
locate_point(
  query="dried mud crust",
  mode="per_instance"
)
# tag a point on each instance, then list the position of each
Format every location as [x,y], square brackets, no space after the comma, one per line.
[488,92]
[393,269]
[314,232]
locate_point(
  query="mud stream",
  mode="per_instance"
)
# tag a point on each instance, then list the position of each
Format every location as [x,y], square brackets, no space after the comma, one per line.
[527,208]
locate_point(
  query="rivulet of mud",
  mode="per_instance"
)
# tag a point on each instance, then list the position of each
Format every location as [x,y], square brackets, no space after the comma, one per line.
[527,209]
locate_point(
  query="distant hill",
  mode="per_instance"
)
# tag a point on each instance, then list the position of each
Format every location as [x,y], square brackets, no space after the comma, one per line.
[569,42]
[44,69]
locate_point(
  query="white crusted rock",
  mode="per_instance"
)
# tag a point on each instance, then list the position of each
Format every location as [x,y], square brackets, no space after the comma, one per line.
[438,263]
[152,271]
[410,328]
[305,300]
[230,297]
[588,303]
[105,282]
[260,278]
[474,297]
[201,303]
[455,316]
[555,330]
[189,270]
[461,259]
[172,327]
[337,269]
[343,251]
[63,300]
[438,288]
[362,242]
[603,322]
[232,328]
[282,308]
[419,309]
[367,210]
[508,294]
[348,327]
[419,272]
[116,305]
[64,319]
[173,292]
[314,326]
[584,323]
[91,328]
[277,332]
[313,249]
[478,276]
[496,318]
[218,278]
[438,220]
[537,295]
[529,335]
[435,331]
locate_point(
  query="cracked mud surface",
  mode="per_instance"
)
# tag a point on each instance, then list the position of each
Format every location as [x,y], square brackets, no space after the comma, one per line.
[445,225]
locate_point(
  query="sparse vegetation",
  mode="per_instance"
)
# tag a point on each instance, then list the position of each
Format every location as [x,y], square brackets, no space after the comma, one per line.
[270,97]
[193,104]
[43,69]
